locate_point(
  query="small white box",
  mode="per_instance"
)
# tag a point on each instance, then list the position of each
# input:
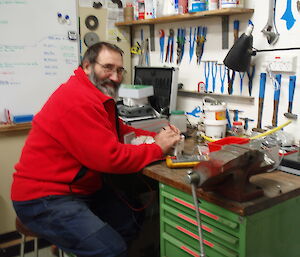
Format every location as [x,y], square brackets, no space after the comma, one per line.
[135,91]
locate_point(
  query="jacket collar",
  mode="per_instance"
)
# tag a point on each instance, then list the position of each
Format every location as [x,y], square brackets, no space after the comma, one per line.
[82,77]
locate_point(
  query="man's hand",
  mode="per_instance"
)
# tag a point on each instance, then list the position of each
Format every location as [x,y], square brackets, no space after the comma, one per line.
[167,138]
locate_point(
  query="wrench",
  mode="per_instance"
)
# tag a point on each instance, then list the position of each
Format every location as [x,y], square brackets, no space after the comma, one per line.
[270,30]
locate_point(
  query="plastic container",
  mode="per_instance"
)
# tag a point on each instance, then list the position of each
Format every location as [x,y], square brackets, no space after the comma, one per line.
[238,129]
[217,145]
[212,5]
[214,118]
[197,5]
[215,128]
[178,119]
[231,3]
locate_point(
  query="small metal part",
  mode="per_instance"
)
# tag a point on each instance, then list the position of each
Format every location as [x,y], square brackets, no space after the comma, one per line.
[97,5]
[72,35]
[279,189]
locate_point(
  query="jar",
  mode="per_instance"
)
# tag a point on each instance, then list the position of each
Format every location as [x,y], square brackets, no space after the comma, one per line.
[178,119]
[238,129]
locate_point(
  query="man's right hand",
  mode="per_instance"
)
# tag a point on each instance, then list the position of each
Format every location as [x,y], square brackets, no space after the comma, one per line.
[167,138]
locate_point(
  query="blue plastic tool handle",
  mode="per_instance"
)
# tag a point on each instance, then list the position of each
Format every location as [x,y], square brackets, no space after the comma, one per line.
[292,85]
[277,91]
[262,85]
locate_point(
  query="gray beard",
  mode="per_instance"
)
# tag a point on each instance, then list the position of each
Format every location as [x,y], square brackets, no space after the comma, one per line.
[102,86]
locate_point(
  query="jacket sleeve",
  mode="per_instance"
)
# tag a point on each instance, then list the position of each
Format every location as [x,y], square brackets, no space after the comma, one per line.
[125,129]
[89,136]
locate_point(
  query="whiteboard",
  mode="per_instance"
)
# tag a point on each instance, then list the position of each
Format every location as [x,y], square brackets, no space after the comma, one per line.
[36,53]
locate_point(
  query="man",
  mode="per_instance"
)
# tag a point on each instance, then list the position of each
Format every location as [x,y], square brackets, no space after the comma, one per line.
[58,191]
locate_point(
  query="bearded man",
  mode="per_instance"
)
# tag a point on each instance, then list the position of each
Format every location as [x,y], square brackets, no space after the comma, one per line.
[58,190]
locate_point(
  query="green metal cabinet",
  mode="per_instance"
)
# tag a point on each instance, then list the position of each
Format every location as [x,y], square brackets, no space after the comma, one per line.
[273,232]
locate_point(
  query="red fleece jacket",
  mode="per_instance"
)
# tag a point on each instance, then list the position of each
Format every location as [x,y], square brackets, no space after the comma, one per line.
[76,127]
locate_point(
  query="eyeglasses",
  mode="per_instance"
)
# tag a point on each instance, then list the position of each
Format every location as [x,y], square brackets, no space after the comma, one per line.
[109,69]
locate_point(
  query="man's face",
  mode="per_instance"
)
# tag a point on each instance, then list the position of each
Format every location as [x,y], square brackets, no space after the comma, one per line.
[107,73]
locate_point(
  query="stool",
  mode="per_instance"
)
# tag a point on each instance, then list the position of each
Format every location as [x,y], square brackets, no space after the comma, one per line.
[25,232]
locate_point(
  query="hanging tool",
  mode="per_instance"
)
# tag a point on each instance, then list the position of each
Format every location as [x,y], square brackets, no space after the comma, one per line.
[250,74]
[214,70]
[192,42]
[206,74]
[180,44]
[222,76]
[288,15]
[136,49]
[230,79]
[246,122]
[292,84]
[142,60]
[200,40]
[194,112]
[170,46]
[162,44]
[229,126]
[270,30]
[276,99]
[236,27]
[147,54]
[242,75]
[262,87]
[235,114]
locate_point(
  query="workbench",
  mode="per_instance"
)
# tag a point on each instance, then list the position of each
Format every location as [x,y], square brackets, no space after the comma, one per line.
[268,226]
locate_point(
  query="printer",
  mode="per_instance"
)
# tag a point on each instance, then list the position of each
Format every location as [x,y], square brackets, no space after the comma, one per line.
[149,101]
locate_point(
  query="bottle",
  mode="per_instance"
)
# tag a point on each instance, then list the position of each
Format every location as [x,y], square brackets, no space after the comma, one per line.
[178,119]
[238,129]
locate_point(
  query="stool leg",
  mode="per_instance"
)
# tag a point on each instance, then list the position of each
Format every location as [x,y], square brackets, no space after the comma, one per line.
[36,249]
[60,252]
[22,245]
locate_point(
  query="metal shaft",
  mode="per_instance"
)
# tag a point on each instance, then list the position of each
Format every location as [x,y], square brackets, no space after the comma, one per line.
[202,253]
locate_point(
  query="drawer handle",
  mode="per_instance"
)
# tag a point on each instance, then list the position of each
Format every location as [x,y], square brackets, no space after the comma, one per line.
[194,222]
[206,213]
[185,231]
[184,248]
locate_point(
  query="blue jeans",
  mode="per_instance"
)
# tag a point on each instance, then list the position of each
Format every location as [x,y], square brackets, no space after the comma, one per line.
[88,226]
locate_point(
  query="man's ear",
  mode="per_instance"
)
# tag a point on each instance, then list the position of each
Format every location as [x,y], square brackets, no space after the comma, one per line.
[87,67]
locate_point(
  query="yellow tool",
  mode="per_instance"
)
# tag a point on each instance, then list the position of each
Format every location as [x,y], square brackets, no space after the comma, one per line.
[182,162]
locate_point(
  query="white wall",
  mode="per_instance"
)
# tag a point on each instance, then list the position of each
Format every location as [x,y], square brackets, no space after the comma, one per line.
[191,73]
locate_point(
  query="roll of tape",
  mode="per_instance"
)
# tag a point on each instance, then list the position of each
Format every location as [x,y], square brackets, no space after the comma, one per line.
[91,22]
[90,38]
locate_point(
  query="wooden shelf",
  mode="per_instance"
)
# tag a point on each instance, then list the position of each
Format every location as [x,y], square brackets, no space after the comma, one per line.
[188,16]
[222,97]
[15,127]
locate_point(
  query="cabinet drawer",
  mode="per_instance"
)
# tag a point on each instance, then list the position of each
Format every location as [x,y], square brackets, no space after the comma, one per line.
[190,223]
[210,213]
[191,239]
[172,247]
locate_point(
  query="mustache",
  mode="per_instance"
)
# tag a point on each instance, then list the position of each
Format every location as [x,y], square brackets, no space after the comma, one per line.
[109,82]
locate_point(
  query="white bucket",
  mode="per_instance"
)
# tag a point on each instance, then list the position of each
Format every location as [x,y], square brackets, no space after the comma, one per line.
[214,118]
[213,110]
[215,129]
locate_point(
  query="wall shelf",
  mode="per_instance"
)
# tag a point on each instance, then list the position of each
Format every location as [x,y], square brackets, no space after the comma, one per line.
[15,127]
[188,16]
[221,97]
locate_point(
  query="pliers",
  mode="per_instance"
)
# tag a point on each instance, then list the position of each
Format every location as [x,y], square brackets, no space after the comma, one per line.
[170,46]
[162,44]
[192,42]
[201,38]
[180,44]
